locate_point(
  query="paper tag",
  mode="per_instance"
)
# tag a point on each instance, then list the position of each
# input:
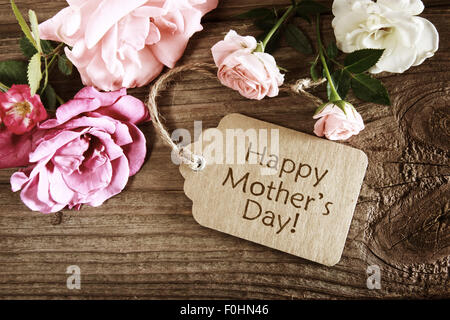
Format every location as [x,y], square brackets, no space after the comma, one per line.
[277,187]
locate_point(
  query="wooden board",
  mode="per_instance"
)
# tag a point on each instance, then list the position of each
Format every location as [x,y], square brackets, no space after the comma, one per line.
[145,243]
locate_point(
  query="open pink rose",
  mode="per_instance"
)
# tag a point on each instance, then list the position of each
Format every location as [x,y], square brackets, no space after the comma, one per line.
[117,43]
[254,74]
[19,111]
[86,154]
[334,124]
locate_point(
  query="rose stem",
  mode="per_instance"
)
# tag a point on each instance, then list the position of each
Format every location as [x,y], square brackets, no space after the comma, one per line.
[60,100]
[3,87]
[46,76]
[276,26]
[334,96]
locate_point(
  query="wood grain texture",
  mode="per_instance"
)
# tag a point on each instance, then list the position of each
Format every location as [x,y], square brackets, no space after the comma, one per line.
[144,243]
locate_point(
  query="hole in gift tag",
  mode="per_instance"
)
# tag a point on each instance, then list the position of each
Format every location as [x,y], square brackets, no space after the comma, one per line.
[200,163]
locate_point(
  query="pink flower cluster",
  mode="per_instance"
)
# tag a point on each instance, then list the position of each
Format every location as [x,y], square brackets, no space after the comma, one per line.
[84,155]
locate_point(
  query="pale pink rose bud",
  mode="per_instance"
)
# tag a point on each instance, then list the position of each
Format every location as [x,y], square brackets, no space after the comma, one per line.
[254,74]
[334,124]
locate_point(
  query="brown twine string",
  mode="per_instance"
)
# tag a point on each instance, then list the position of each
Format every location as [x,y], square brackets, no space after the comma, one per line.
[196,162]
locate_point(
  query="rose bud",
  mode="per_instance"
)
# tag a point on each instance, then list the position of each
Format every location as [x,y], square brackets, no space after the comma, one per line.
[335,124]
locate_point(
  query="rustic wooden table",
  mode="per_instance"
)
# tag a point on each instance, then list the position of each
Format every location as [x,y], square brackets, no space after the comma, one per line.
[144,243]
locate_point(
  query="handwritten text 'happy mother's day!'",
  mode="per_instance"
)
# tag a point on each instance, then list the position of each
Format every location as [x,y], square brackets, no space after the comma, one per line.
[274,190]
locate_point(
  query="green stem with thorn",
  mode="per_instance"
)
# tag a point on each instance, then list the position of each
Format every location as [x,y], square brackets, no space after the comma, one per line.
[334,94]
[3,87]
[275,28]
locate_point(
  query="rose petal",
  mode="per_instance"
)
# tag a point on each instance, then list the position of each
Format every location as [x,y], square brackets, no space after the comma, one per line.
[14,149]
[105,16]
[75,107]
[51,146]
[111,148]
[428,42]
[136,151]
[30,199]
[232,43]
[121,172]
[87,180]
[127,109]
[18,179]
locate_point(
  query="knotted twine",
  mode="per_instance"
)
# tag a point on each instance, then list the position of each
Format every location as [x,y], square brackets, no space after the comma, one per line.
[196,162]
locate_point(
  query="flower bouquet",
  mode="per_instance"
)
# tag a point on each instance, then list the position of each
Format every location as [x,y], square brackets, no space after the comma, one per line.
[84,150]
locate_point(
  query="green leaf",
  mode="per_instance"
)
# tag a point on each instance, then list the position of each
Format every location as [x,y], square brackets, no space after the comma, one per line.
[274,42]
[332,50]
[27,47]
[258,13]
[297,39]
[315,69]
[23,25]
[264,24]
[35,29]
[370,89]
[13,72]
[309,7]
[47,46]
[341,80]
[29,50]
[314,73]
[362,60]
[49,98]
[64,65]
[34,73]
[305,17]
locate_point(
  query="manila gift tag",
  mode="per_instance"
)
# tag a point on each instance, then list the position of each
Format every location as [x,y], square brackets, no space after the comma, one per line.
[275,186]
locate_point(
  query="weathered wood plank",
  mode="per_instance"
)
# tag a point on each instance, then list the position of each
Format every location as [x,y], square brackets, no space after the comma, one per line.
[144,243]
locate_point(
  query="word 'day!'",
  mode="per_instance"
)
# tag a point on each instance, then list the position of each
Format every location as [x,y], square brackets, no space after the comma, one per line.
[275,186]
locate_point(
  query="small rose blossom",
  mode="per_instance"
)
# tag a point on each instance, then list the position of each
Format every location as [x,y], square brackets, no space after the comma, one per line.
[254,74]
[86,154]
[19,111]
[334,124]
[118,43]
[392,25]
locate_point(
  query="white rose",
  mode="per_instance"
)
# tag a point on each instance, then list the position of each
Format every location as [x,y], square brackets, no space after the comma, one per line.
[385,24]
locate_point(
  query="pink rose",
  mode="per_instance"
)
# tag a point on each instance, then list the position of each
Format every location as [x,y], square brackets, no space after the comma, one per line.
[86,154]
[117,43]
[14,149]
[254,74]
[334,124]
[19,111]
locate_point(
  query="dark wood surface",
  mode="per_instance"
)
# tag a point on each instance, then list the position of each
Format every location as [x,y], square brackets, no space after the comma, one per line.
[144,243]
